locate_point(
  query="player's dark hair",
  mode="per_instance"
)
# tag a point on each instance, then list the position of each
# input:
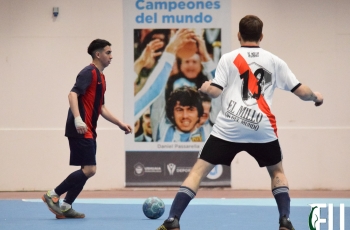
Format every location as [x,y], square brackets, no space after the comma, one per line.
[250,28]
[186,96]
[96,45]
[204,97]
[140,129]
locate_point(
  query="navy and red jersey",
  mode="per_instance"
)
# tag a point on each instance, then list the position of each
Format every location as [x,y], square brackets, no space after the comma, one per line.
[90,85]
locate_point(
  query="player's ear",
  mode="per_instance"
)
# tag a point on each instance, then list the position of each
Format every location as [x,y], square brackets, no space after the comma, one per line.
[97,54]
[239,36]
[261,37]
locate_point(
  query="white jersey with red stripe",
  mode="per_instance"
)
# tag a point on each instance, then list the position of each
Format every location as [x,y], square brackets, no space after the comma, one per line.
[248,77]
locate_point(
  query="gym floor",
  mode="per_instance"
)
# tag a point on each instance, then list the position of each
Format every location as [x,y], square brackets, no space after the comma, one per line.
[212,209]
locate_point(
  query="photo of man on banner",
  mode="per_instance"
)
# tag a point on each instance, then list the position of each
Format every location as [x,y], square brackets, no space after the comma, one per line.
[169,66]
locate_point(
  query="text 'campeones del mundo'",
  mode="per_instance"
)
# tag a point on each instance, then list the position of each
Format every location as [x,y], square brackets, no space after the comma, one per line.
[170,6]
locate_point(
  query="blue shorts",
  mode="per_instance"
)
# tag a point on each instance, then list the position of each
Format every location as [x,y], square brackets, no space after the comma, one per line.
[217,151]
[82,151]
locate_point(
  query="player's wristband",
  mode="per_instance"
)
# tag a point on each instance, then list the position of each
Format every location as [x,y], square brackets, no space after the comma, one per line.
[79,122]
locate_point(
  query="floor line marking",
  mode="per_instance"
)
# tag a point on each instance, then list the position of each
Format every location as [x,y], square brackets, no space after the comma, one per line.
[215,201]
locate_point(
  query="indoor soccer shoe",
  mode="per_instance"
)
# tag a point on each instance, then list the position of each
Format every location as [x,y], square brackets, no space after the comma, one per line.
[53,203]
[70,213]
[170,224]
[285,224]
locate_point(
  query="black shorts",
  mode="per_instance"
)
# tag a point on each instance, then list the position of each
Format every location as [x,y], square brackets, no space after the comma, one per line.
[217,151]
[82,151]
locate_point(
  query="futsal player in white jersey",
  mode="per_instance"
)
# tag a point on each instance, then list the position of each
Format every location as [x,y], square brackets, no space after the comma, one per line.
[246,79]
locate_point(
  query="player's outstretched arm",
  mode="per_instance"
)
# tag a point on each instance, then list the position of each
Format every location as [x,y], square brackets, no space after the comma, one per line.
[306,94]
[210,90]
[111,118]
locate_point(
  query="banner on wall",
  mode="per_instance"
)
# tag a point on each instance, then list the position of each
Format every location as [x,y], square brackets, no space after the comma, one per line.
[171,118]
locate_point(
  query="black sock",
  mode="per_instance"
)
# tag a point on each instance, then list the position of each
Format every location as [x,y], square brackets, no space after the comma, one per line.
[182,199]
[73,180]
[73,193]
[282,198]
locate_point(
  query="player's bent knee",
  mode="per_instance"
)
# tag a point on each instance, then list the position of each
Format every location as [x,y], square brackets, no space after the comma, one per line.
[90,172]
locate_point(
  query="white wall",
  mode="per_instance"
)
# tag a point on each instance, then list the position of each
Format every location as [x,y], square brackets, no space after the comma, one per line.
[40,57]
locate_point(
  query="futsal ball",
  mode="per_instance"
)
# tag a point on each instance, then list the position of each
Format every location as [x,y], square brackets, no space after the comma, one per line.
[153,207]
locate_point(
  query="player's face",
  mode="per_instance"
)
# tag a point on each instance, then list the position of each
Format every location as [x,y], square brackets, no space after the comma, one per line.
[146,125]
[206,112]
[191,67]
[186,117]
[105,56]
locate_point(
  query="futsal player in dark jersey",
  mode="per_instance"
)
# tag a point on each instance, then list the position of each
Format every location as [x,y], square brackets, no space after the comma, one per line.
[86,100]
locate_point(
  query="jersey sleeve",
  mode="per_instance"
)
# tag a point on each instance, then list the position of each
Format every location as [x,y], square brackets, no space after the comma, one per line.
[285,78]
[221,73]
[83,81]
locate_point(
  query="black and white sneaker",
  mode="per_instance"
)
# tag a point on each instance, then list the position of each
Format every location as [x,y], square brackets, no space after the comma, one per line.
[170,224]
[285,224]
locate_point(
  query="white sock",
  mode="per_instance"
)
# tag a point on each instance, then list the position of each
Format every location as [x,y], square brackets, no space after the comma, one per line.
[65,206]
